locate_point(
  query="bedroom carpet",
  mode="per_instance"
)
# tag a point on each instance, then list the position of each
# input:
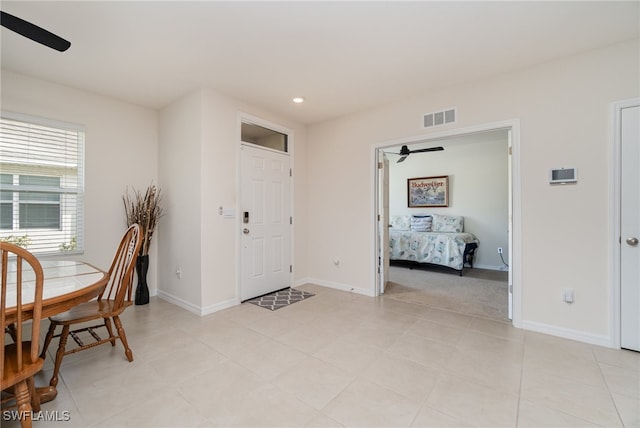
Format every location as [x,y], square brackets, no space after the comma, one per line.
[479,292]
[280,299]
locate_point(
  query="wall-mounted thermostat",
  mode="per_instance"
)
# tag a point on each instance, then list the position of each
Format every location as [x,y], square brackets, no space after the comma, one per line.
[563,175]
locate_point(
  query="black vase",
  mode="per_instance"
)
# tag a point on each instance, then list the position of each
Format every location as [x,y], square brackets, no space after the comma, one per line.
[142,291]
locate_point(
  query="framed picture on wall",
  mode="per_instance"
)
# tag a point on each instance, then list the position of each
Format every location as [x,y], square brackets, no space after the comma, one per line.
[428,191]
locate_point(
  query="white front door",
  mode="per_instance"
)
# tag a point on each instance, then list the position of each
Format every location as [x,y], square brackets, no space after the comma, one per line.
[265,221]
[630,229]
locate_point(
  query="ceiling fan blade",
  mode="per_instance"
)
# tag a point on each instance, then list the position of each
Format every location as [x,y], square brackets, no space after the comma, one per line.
[430,149]
[33,32]
[402,158]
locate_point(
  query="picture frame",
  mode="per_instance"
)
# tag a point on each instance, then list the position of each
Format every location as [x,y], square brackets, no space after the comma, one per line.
[428,192]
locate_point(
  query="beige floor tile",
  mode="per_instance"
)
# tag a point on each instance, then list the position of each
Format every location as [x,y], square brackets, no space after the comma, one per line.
[392,321]
[352,357]
[496,328]
[409,379]
[622,381]
[629,410]
[438,332]
[310,338]
[493,373]
[197,357]
[422,350]
[474,404]
[406,308]
[431,418]
[340,359]
[323,421]
[484,346]
[365,404]
[233,341]
[567,359]
[533,416]
[313,381]
[116,393]
[233,396]
[618,357]
[591,403]
[274,325]
[379,336]
[269,359]
[448,318]
[153,412]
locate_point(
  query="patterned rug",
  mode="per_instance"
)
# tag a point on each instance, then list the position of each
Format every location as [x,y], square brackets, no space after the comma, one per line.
[280,299]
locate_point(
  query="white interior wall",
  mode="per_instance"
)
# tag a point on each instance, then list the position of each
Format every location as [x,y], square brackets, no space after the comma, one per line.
[180,133]
[563,111]
[120,151]
[478,190]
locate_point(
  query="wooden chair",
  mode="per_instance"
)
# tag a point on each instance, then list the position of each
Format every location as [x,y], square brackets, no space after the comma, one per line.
[20,359]
[111,302]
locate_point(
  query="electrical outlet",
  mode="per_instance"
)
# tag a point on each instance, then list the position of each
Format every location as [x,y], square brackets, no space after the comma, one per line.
[499,250]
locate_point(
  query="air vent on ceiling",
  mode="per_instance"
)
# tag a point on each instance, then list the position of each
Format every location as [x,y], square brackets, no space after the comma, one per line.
[439,118]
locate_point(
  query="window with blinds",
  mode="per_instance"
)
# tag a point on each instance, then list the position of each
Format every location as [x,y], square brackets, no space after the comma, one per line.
[41,184]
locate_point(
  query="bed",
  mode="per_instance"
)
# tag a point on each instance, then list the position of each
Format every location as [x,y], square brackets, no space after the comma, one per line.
[431,240]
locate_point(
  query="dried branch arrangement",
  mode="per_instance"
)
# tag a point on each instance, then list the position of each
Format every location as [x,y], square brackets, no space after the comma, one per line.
[144,210]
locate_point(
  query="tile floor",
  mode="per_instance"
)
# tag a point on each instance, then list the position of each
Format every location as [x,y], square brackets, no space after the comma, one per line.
[339,359]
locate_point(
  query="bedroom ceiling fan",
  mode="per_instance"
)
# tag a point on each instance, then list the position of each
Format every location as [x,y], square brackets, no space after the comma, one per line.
[404,151]
[33,32]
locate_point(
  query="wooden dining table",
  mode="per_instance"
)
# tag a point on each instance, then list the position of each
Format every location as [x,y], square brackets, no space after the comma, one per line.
[66,284]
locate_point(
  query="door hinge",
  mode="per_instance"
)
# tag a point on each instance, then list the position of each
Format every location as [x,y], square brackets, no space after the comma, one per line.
[511,288]
[290,172]
[290,268]
[510,150]
[290,220]
[380,165]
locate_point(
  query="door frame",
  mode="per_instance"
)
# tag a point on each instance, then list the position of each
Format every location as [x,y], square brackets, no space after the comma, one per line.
[249,118]
[515,222]
[615,197]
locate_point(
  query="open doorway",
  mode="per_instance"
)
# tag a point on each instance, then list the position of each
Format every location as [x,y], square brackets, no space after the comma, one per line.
[477,157]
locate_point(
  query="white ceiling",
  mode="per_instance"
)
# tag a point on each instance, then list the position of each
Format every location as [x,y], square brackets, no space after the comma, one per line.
[342,57]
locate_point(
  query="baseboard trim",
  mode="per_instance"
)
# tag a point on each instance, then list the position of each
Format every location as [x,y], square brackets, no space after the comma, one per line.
[198,310]
[335,285]
[567,333]
[489,267]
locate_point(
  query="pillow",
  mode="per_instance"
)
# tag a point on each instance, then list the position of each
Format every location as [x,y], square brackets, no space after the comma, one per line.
[448,223]
[420,223]
[400,222]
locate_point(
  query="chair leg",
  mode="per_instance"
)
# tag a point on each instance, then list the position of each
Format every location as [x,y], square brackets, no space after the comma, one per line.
[123,338]
[107,324]
[23,403]
[35,399]
[47,340]
[59,355]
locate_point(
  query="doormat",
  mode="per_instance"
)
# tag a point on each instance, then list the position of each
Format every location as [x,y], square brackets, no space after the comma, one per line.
[280,299]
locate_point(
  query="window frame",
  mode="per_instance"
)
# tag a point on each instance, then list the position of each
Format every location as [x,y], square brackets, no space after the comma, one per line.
[63,158]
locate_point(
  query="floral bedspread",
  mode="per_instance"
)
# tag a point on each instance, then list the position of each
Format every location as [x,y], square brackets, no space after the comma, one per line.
[446,249]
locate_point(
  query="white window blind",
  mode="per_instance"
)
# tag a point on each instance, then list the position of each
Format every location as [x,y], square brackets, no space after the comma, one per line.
[41,184]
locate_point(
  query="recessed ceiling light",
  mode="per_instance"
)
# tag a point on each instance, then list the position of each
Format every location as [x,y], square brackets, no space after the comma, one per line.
[298,100]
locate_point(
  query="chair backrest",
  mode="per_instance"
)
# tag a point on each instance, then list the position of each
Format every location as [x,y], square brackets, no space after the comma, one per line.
[121,272]
[21,299]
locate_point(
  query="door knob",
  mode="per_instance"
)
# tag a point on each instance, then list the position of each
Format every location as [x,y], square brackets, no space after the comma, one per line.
[245,231]
[632,241]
